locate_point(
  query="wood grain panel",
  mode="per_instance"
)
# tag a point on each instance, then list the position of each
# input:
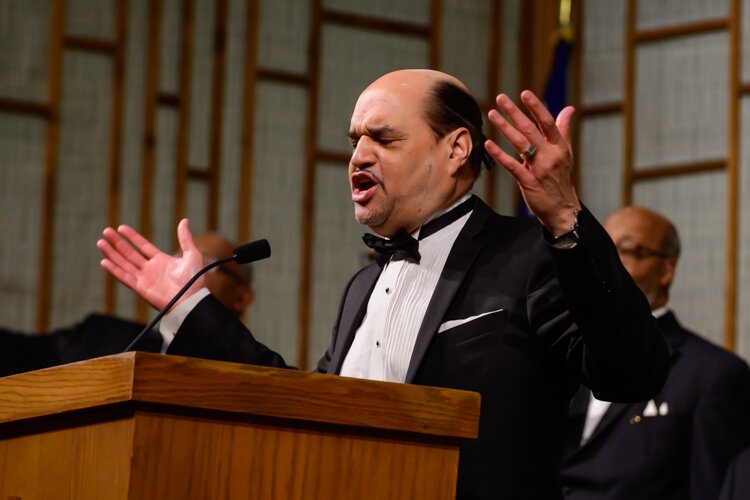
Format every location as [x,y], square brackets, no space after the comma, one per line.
[88,462]
[65,388]
[238,388]
[294,394]
[273,462]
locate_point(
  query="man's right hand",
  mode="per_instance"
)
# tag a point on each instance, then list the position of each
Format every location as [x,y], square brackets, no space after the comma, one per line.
[149,272]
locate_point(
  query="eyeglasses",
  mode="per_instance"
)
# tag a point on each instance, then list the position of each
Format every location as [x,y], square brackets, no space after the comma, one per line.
[232,274]
[628,250]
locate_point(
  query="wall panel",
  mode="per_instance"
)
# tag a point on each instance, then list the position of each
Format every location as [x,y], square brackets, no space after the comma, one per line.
[90,19]
[697,206]
[284,31]
[600,163]
[277,191]
[233,116]
[681,100]
[169,47]
[603,67]
[196,205]
[81,194]
[21,177]
[163,203]
[25,38]
[201,84]
[349,63]
[664,13]
[465,51]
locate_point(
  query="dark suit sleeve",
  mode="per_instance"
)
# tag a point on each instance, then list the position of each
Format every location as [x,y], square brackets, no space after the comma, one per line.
[21,352]
[621,353]
[97,335]
[721,426]
[737,481]
[211,331]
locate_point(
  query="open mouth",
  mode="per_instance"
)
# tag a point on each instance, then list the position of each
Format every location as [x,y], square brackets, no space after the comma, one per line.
[363,186]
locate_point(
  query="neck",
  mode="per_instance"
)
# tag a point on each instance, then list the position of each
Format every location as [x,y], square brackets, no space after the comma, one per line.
[659,301]
[450,204]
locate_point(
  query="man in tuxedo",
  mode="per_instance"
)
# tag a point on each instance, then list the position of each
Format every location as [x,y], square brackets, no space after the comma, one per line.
[101,334]
[460,296]
[678,443]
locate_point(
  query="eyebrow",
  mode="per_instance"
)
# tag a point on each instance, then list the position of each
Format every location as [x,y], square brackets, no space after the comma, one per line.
[373,132]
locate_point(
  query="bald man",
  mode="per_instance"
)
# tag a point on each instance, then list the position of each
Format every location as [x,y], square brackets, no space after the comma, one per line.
[678,444]
[459,296]
[101,335]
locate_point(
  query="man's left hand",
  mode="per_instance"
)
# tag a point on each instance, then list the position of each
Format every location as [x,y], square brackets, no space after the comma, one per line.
[546,176]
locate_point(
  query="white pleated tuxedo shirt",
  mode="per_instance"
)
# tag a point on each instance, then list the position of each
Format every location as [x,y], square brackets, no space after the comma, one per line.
[384,342]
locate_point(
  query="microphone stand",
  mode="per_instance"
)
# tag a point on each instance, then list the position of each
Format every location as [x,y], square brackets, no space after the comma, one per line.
[179,294]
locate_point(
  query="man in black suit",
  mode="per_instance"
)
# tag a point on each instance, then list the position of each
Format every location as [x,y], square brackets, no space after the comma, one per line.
[678,444]
[101,334]
[460,296]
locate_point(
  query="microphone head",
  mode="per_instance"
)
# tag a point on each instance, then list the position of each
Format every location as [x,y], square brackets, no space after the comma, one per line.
[250,252]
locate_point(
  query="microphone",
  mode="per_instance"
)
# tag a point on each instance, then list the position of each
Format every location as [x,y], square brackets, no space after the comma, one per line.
[243,254]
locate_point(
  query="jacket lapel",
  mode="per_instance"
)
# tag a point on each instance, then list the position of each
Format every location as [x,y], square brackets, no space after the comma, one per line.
[576,419]
[353,312]
[460,259]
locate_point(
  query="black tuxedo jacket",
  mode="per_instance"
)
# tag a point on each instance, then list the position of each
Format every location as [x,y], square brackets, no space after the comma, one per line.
[97,335]
[681,454]
[526,357]
[737,481]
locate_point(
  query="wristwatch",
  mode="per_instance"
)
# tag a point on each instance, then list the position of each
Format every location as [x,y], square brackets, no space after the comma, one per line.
[569,239]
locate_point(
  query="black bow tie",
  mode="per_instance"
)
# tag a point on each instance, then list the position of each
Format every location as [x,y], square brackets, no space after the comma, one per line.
[403,245]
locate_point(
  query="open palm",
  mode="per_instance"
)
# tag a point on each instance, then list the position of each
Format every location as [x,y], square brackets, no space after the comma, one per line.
[141,266]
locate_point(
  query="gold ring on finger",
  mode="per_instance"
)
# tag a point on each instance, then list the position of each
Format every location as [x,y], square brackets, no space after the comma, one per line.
[529,153]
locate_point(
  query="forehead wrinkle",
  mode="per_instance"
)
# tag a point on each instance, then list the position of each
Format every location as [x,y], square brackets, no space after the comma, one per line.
[375,131]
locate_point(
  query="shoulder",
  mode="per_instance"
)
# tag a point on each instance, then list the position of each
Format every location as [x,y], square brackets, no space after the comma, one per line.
[505,229]
[709,354]
[97,320]
[713,365]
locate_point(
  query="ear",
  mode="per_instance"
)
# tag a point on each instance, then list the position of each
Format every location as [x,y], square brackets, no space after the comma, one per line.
[668,269]
[459,149]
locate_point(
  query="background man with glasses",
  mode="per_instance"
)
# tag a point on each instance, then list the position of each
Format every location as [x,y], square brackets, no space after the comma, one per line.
[678,444]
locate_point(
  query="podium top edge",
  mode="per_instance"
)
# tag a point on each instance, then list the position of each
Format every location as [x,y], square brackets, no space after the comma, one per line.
[240,389]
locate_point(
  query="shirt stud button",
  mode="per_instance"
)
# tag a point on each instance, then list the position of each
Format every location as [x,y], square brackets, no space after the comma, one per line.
[377,343]
[388,290]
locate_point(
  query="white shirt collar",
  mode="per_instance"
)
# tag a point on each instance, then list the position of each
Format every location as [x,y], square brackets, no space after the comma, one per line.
[465,197]
[659,312]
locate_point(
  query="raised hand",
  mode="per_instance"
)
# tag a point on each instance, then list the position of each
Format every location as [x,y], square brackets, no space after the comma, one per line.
[149,272]
[544,173]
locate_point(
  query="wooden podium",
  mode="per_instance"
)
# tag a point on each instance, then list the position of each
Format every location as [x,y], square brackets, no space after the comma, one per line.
[147,426]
